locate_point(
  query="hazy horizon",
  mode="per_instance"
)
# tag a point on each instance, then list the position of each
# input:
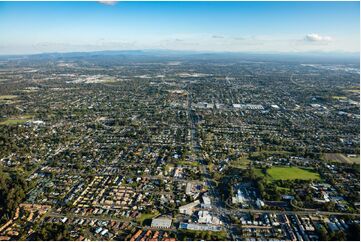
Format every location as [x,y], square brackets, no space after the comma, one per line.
[262,27]
[306,53]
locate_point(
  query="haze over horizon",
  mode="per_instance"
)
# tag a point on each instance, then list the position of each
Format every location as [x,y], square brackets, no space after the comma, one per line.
[285,27]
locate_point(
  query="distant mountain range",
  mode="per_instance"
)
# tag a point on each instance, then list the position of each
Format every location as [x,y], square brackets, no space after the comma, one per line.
[329,57]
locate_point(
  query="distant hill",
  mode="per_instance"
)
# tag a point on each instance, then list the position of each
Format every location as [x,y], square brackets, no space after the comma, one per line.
[302,57]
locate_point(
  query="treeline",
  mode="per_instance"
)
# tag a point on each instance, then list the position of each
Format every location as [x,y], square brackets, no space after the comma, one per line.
[51,232]
[13,187]
[351,234]
[201,235]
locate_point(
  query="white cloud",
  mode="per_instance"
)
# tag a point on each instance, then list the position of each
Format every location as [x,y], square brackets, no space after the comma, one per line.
[110,2]
[317,38]
[217,36]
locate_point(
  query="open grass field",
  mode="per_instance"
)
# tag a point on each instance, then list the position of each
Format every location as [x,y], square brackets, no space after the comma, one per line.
[168,166]
[292,173]
[242,162]
[16,120]
[188,163]
[29,91]
[354,89]
[337,157]
[146,216]
[7,97]
[272,152]
[13,121]
[339,97]
[258,172]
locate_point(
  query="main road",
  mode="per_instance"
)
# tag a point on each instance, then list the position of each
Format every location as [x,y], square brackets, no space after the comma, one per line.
[196,156]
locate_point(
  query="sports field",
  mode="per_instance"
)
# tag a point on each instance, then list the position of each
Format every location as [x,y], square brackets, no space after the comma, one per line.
[292,173]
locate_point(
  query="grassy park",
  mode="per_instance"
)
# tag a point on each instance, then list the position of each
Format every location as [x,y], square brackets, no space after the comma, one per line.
[288,173]
[146,217]
[292,173]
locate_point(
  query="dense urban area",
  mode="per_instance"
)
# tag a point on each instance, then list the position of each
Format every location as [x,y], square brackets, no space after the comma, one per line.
[146,147]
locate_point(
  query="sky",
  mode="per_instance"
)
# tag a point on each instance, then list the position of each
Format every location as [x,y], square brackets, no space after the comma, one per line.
[37,27]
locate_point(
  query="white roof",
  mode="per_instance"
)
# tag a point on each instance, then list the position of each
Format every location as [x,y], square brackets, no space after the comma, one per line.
[206,200]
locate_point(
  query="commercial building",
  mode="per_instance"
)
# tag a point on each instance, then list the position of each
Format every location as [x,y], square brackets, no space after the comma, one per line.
[188,208]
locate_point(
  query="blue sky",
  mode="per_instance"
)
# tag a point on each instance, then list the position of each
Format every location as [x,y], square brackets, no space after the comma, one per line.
[34,27]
